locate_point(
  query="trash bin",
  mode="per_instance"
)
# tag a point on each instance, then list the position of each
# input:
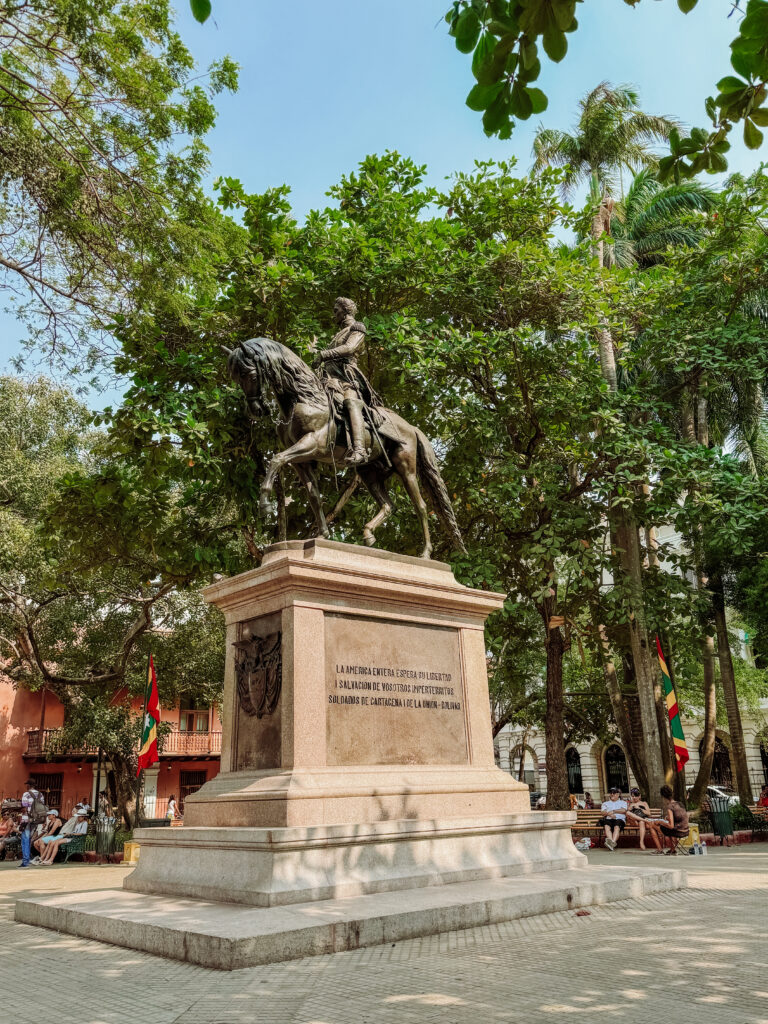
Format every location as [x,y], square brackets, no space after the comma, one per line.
[721,816]
[105,829]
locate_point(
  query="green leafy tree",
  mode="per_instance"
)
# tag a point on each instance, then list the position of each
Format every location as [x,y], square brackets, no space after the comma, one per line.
[85,585]
[101,200]
[506,37]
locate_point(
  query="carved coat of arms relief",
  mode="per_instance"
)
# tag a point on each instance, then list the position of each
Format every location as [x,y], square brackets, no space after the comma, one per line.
[259,672]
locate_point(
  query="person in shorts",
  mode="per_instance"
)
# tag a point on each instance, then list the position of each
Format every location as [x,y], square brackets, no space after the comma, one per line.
[673,826]
[614,820]
[48,855]
[638,812]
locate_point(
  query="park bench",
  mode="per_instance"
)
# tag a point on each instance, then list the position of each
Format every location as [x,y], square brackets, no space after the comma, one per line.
[588,824]
[758,818]
[75,845]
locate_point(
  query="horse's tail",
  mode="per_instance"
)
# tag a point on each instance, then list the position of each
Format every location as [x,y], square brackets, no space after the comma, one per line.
[434,485]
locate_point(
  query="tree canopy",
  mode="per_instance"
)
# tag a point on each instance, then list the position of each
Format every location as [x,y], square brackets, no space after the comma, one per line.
[506,39]
[103,121]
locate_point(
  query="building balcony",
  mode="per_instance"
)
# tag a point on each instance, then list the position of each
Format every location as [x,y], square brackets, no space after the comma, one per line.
[48,746]
[190,744]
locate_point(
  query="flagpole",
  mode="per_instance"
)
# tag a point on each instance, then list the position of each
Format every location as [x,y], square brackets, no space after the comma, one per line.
[140,773]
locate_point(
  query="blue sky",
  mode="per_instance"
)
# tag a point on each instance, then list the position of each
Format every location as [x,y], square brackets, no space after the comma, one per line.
[324,82]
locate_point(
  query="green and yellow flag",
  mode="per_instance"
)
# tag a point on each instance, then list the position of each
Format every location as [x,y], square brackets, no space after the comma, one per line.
[148,750]
[675,725]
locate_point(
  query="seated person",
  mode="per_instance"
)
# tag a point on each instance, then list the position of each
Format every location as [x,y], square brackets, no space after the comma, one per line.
[52,848]
[589,803]
[8,829]
[638,812]
[52,826]
[763,801]
[673,826]
[615,819]
[66,830]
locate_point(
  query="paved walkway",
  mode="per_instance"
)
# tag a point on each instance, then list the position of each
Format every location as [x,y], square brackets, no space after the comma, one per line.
[689,957]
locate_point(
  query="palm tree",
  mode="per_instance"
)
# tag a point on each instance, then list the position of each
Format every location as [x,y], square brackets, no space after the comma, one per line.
[612,134]
[652,218]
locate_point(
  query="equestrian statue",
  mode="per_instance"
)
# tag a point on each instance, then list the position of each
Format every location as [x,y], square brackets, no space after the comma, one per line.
[335,417]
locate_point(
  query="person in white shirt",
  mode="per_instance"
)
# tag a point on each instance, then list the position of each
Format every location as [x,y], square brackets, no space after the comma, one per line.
[615,817]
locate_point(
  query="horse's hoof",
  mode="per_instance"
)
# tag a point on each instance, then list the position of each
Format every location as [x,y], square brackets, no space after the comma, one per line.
[266,507]
[368,539]
[426,553]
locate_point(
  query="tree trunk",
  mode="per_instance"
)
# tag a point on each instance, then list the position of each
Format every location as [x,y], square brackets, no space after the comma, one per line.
[728,682]
[604,339]
[699,788]
[125,784]
[621,715]
[648,690]
[521,766]
[554,722]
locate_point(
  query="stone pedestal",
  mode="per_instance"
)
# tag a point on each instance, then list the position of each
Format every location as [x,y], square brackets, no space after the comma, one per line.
[357,753]
[358,802]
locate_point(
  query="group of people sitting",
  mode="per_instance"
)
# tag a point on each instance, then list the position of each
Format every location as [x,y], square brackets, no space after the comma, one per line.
[35,829]
[55,833]
[665,831]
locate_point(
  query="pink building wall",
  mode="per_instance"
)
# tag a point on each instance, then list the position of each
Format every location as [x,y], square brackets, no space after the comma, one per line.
[20,712]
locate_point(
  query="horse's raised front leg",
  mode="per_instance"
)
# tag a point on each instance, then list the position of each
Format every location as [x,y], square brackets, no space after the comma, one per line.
[305,450]
[306,473]
[375,480]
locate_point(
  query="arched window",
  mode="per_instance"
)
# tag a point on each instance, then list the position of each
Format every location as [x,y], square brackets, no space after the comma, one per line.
[721,765]
[573,761]
[616,768]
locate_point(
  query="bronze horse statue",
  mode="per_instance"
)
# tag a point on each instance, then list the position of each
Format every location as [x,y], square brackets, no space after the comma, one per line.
[310,431]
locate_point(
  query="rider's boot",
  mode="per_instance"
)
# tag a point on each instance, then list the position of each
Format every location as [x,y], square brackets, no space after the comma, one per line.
[356,453]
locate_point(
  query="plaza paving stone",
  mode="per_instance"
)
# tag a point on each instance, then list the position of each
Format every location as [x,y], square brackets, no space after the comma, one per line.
[697,955]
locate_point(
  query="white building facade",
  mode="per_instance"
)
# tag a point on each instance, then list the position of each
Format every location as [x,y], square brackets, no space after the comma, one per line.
[594,766]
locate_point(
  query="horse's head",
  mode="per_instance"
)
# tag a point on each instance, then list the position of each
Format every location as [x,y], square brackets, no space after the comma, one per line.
[261,363]
[246,366]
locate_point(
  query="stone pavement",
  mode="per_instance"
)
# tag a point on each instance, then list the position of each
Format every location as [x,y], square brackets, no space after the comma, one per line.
[693,956]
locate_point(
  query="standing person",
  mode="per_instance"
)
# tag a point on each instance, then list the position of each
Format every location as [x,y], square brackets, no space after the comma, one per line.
[615,819]
[673,826]
[173,810]
[105,808]
[33,813]
[638,812]
[589,803]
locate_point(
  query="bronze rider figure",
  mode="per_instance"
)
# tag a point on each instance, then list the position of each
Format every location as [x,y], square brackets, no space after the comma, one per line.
[340,362]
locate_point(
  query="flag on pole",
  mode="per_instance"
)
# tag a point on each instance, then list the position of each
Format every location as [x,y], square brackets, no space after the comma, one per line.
[675,725]
[148,750]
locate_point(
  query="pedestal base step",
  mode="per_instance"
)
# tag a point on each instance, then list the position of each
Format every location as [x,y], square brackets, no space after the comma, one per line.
[229,937]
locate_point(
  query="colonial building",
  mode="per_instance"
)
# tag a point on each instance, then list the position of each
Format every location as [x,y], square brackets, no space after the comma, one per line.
[29,725]
[593,767]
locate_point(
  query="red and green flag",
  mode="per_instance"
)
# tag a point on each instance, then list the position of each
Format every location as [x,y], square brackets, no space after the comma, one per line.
[148,750]
[675,725]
